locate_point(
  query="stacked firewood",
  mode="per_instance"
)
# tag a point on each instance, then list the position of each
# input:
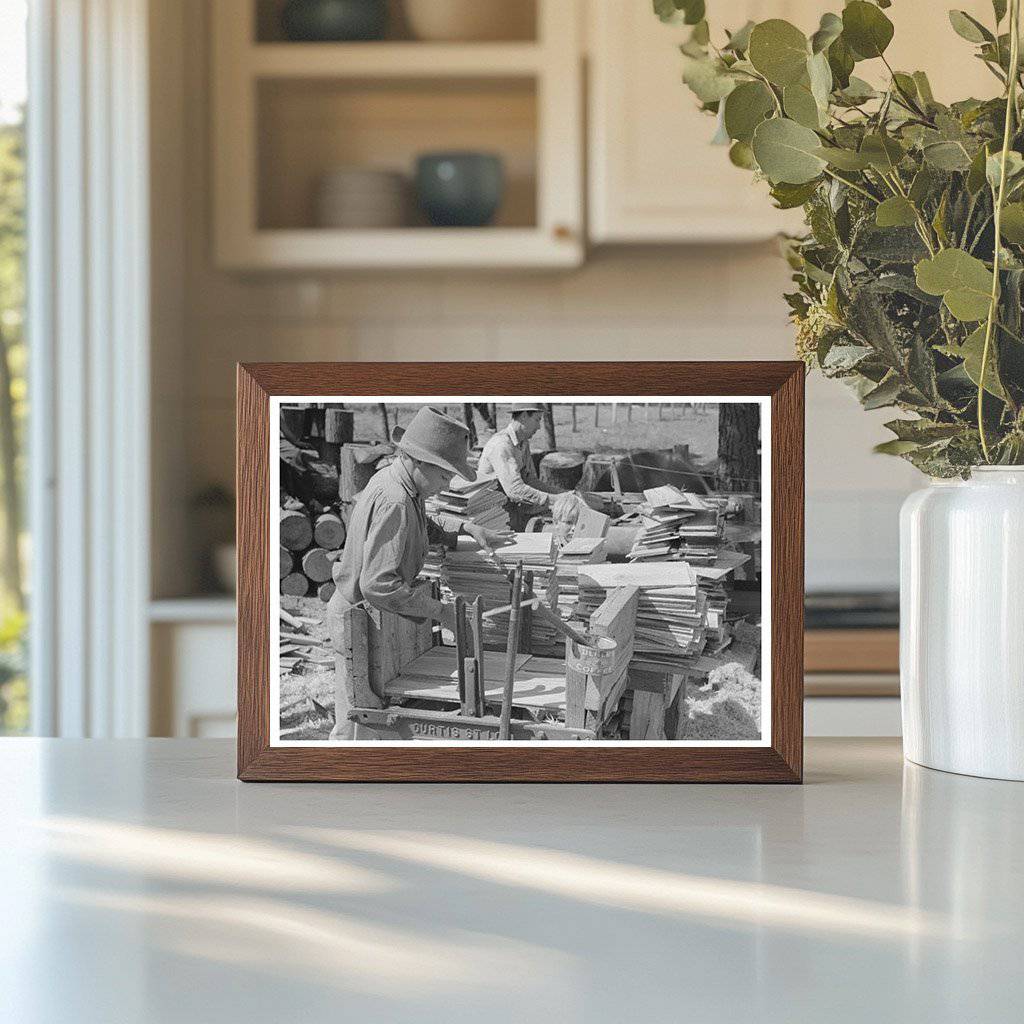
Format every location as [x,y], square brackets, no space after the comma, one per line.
[312,538]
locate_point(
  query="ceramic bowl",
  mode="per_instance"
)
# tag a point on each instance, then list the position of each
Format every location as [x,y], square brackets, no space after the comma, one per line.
[333,21]
[359,197]
[470,20]
[460,189]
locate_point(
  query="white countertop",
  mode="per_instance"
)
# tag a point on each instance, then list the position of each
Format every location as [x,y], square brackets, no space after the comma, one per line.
[140,882]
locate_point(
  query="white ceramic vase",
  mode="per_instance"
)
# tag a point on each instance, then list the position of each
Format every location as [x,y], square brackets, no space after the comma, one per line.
[962,624]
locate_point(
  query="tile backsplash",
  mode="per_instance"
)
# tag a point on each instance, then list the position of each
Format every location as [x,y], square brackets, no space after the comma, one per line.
[708,303]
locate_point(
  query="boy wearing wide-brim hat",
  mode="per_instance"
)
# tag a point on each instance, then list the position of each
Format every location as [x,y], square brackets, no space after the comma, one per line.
[387,541]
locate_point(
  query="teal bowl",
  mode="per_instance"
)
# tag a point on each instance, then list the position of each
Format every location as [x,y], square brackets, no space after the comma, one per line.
[334,21]
[461,190]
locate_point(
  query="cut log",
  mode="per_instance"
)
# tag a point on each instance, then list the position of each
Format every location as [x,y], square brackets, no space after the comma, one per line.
[287,562]
[295,584]
[356,466]
[317,564]
[563,470]
[329,531]
[326,591]
[339,425]
[295,422]
[296,530]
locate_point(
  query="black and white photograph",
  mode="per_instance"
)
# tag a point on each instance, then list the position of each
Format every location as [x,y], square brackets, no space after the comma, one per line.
[522,570]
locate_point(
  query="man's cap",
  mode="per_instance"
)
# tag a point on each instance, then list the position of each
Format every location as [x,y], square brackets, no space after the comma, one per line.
[527,408]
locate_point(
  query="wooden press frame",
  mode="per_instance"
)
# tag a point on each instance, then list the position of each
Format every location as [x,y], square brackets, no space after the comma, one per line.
[780,761]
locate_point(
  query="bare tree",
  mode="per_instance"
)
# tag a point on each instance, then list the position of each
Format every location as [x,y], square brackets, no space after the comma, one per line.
[739,457]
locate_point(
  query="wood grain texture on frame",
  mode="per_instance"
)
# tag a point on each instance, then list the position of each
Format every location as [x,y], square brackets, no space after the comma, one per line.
[782,761]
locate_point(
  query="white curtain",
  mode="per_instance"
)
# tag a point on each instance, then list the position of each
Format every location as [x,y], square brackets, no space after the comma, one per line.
[88,387]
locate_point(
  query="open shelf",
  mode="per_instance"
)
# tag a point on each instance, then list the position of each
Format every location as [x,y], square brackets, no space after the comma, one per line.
[520,23]
[308,127]
[393,60]
[286,114]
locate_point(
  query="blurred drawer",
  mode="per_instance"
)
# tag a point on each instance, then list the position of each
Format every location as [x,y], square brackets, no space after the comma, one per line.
[854,651]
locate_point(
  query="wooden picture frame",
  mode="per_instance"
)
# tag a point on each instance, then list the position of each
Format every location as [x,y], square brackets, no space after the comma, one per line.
[780,759]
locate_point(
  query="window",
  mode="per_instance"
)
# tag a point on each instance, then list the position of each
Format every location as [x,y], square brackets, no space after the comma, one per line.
[14,693]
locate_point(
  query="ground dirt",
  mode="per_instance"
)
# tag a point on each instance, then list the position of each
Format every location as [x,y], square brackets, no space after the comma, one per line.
[726,707]
[307,693]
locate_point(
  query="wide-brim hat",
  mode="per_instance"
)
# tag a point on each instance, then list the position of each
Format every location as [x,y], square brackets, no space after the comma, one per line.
[438,439]
[527,408]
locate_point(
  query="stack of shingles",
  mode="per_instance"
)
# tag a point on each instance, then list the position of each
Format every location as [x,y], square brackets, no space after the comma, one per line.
[564,592]
[481,502]
[469,572]
[671,621]
[662,515]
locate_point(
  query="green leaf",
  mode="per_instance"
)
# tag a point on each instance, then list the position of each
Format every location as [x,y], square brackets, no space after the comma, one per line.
[844,159]
[969,28]
[922,185]
[924,88]
[707,78]
[895,212]
[829,30]
[841,63]
[745,108]
[739,41]
[779,51]
[895,447]
[1012,223]
[788,196]
[923,431]
[786,151]
[999,9]
[921,370]
[905,84]
[939,220]
[866,29]
[666,10]
[947,156]
[693,10]
[819,74]
[993,167]
[701,34]
[857,91]
[963,281]
[801,106]
[883,152]
[976,174]
[971,352]
[885,394]
[741,155]
[690,12]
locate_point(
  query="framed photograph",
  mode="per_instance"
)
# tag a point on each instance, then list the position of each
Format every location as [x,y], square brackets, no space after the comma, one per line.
[520,571]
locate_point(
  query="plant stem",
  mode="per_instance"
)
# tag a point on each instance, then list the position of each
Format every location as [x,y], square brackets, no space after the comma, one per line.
[853,185]
[1011,107]
[907,99]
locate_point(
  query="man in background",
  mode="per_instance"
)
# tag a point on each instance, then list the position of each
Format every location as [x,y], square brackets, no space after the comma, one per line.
[507,456]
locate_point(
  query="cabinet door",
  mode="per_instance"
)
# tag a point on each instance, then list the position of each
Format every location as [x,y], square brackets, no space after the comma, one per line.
[654,176]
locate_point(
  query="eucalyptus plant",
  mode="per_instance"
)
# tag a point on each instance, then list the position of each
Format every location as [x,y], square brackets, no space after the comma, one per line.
[910,277]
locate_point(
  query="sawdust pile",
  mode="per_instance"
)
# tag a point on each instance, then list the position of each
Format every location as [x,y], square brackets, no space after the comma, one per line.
[727,707]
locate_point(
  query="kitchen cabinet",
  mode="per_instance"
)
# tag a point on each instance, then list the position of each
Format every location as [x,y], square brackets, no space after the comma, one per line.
[653,175]
[287,114]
